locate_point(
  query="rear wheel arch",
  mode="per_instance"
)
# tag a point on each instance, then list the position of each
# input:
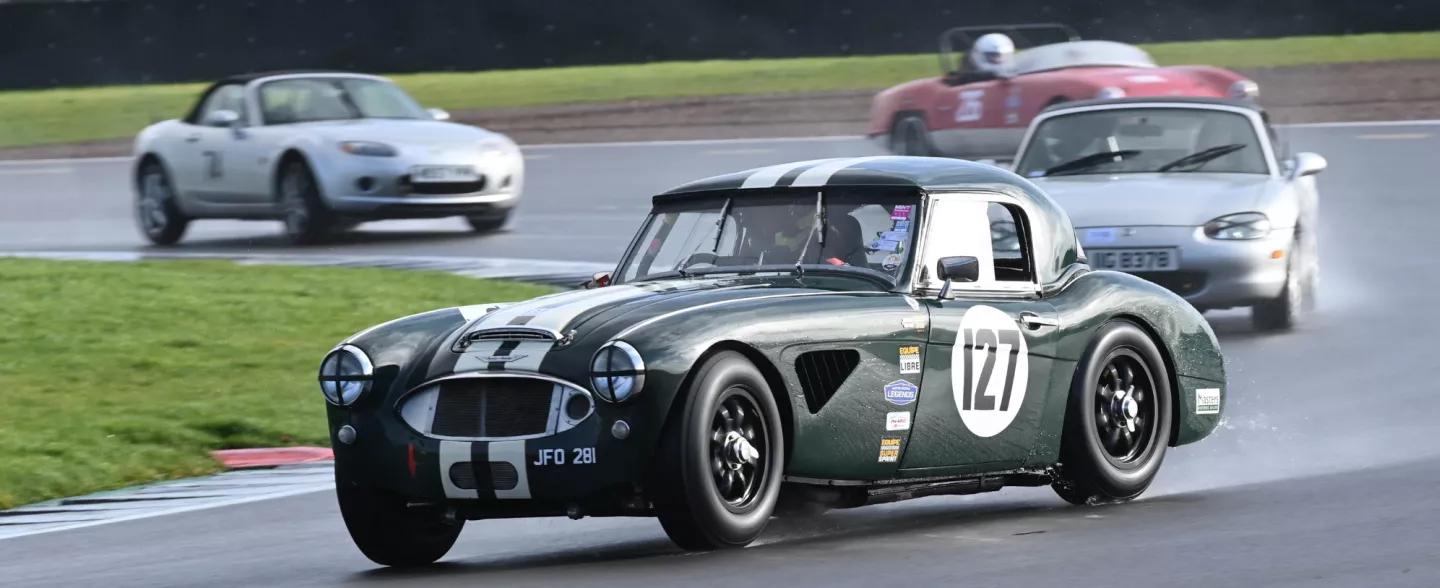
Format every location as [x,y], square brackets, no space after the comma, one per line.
[150,157]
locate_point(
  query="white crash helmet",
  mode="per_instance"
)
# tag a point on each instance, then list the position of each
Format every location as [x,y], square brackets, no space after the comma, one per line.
[993,53]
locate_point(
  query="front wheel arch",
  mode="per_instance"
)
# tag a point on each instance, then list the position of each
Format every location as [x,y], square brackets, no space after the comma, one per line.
[286,157]
[1167,356]
[773,379]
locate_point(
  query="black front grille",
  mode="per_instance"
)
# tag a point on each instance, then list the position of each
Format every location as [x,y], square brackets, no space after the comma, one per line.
[1182,283]
[503,476]
[493,407]
[443,187]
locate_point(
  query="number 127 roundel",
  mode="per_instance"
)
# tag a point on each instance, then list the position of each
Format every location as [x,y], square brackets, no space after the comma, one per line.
[990,373]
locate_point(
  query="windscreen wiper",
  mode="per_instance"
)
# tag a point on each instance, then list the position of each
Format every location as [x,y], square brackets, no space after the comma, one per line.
[1202,156]
[1089,161]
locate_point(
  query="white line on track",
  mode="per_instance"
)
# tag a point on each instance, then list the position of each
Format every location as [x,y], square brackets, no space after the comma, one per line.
[759,141]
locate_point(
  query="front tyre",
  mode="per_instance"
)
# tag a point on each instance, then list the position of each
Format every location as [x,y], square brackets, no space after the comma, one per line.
[156,212]
[717,476]
[307,219]
[1286,311]
[391,534]
[488,224]
[1118,420]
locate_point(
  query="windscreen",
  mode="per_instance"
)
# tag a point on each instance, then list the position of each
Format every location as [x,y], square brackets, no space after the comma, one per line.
[1149,140]
[866,231]
[331,98]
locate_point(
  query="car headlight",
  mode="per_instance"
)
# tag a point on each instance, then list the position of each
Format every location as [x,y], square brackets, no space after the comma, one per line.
[1245,225]
[617,373]
[367,148]
[497,146]
[1110,93]
[345,374]
[1244,89]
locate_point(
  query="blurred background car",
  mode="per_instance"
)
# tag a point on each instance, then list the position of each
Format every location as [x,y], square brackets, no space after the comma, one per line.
[1194,194]
[981,105]
[321,151]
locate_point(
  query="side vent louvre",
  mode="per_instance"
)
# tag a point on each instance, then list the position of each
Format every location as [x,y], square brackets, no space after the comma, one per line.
[822,373]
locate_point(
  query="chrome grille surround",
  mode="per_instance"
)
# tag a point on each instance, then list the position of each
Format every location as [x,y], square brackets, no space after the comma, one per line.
[417,408]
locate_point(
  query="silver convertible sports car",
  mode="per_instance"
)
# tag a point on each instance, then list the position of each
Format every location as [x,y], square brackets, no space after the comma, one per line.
[1194,194]
[320,151]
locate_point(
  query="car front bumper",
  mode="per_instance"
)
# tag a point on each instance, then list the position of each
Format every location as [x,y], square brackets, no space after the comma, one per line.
[585,469]
[378,188]
[1212,274]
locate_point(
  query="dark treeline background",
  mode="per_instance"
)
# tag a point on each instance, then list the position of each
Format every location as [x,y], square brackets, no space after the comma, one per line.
[47,43]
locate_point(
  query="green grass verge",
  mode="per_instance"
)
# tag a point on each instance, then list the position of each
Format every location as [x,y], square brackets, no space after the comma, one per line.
[114,374]
[68,115]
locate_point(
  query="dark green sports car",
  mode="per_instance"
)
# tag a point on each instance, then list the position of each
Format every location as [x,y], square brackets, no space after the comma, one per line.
[819,334]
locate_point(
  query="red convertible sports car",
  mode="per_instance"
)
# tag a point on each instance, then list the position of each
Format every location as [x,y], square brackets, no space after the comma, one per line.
[980,109]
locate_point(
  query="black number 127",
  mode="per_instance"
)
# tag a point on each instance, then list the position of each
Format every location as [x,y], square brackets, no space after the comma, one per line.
[990,340]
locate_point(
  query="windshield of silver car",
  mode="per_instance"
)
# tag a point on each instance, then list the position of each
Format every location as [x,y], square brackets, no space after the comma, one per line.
[316,99]
[1143,140]
[866,231]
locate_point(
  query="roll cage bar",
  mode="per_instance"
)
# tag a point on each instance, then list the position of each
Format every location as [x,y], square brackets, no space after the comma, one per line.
[947,38]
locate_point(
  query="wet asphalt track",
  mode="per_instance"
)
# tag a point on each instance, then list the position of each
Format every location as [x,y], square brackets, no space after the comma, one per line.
[1324,473]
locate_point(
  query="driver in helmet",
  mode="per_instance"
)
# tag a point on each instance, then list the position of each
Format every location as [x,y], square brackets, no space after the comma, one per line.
[991,57]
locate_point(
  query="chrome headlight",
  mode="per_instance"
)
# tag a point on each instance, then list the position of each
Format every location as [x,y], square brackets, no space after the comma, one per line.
[345,374]
[498,146]
[617,373]
[1110,93]
[367,148]
[1244,89]
[1245,225]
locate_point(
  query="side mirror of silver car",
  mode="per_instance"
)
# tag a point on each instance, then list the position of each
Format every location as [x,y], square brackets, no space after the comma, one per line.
[439,114]
[222,118]
[1307,164]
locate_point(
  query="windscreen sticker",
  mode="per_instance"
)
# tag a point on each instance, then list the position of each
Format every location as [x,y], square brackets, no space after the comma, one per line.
[990,376]
[891,262]
[894,235]
[901,226]
[889,450]
[885,245]
[901,212]
[901,393]
[1207,401]
[910,359]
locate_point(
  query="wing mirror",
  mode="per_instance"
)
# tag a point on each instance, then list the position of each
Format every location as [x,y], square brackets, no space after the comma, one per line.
[961,268]
[439,114]
[1307,164]
[599,280]
[222,118]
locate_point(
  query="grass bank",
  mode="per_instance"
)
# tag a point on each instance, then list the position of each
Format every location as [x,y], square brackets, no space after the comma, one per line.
[83,114]
[114,374]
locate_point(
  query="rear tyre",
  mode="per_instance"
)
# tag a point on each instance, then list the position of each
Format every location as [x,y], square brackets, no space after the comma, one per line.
[391,534]
[1286,311]
[307,219]
[908,136]
[488,224]
[717,476]
[156,212]
[1118,421]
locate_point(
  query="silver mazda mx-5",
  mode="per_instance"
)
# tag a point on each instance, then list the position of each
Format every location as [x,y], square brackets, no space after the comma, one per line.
[320,151]
[1193,194]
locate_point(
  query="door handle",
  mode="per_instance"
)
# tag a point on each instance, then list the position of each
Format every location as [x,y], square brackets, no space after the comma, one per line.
[1035,321]
[192,139]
